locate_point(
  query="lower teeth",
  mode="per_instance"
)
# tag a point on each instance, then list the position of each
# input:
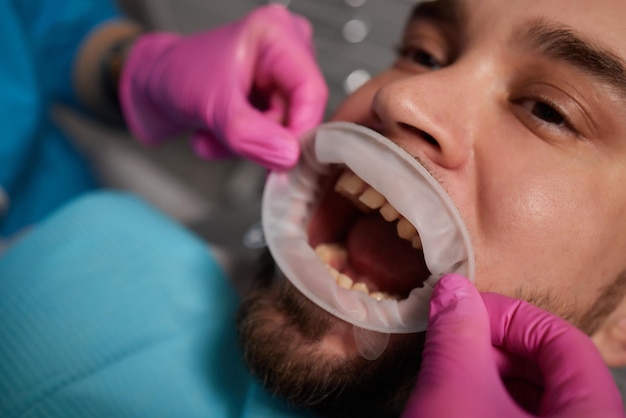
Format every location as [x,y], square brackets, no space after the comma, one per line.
[335,258]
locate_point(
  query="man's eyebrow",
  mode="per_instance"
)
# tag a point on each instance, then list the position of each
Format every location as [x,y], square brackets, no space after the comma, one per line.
[449,11]
[563,44]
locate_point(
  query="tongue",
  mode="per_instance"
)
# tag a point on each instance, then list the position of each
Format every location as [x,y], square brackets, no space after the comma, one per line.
[383,260]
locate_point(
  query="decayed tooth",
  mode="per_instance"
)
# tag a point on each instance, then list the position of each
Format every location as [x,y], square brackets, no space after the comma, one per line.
[389,213]
[406,230]
[372,199]
[350,183]
[334,255]
[344,281]
[361,287]
[417,242]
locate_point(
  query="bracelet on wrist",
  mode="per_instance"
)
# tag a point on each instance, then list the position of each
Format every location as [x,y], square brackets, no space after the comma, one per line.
[111,67]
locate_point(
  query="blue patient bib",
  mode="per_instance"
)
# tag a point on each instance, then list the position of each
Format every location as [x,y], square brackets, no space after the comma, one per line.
[110,309]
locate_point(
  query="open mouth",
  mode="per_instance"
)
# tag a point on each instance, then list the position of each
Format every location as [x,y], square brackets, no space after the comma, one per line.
[363,230]
[365,243]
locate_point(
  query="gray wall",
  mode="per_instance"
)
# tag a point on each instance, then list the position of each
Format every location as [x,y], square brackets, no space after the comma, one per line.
[352,37]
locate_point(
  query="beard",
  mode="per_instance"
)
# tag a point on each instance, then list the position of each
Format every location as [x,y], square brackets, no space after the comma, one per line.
[282,333]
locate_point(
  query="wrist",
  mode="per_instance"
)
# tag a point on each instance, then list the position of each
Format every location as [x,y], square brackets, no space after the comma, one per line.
[111,66]
[98,64]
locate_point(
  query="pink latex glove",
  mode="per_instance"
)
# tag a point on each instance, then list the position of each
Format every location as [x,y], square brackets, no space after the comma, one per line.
[210,83]
[461,370]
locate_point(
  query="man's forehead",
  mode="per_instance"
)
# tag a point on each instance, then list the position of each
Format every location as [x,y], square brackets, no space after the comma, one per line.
[460,9]
[447,10]
[442,8]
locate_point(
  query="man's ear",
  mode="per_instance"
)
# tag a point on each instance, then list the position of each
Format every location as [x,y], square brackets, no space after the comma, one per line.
[610,338]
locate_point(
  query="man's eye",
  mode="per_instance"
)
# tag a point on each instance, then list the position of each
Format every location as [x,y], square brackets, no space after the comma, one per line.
[544,111]
[421,57]
[547,113]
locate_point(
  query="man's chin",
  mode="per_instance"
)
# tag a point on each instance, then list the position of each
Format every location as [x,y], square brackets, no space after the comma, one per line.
[308,357]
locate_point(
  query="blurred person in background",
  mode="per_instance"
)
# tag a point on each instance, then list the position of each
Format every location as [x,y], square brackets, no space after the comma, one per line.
[249,89]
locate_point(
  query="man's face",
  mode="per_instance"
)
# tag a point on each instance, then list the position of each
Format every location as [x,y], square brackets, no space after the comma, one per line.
[516,109]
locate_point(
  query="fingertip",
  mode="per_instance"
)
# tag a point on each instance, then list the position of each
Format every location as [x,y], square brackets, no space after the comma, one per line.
[303,27]
[455,292]
[452,283]
[262,140]
[281,160]
[308,105]
[275,152]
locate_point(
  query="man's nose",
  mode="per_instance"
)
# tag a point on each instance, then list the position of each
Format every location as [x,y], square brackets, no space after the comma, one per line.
[431,116]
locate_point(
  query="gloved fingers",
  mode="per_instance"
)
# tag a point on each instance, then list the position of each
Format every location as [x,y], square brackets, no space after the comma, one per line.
[522,379]
[459,325]
[577,382]
[209,147]
[297,116]
[458,356]
[281,22]
[525,394]
[304,87]
[277,109]
[252,135]
[289,66]
[137,107]
[304,28]
[306,108]
[512,366]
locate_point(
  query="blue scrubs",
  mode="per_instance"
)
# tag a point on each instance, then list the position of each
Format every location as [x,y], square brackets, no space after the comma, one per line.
[110,309]
[39,170]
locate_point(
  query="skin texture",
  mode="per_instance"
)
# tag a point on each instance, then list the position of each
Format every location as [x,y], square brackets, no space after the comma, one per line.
[524,127]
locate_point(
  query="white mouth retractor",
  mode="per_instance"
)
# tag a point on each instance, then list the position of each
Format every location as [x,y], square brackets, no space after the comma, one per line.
[290,197]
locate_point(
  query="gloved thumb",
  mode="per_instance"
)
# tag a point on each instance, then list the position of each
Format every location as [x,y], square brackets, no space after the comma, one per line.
[257,137]
[458,348]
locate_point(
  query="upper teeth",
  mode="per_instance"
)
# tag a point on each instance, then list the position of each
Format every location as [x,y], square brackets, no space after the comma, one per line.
[366,197]
[290,201]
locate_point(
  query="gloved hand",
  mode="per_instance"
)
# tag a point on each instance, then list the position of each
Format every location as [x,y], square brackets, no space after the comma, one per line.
[204,83]
[461,370]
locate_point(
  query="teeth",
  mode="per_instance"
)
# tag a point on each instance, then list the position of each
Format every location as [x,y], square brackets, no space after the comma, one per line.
[377,296]
[361,287]
[372,199]
[366,198]
[330,251]
[350,183]
[389,213]
[334,255]
[406,230]
[344,281]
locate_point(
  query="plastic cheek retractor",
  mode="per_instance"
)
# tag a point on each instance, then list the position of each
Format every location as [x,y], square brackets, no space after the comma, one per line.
[290,197]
